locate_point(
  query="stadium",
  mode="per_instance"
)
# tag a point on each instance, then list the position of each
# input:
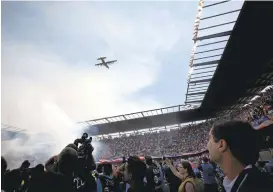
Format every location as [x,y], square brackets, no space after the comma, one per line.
[230,78]
[212,93]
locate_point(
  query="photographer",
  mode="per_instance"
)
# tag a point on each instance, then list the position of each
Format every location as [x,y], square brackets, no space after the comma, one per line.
[85,151]
[83,178]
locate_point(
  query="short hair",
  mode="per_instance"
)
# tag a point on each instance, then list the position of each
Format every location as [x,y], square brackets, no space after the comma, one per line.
[107,169]
[68,160]
[186,165]
[242,140]
[25,164]
[205,159]
[137,168]
[149,160]
[99,168]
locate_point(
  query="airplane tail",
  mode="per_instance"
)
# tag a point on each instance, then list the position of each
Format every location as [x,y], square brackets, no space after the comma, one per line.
[101,58]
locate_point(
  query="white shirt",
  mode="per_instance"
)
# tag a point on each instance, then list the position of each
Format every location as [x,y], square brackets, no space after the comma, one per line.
[228,184]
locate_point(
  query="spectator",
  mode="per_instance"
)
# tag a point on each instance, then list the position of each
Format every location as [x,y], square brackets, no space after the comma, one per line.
[210,184]
[153,176]
[234,146]
[135,171]
[173,181]
[106,181]
[186,174]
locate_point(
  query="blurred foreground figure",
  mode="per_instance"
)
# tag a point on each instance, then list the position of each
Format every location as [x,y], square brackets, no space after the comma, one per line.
[135,171]
[234,145]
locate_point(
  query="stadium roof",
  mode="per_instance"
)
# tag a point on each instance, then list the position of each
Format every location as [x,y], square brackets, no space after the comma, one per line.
[5,127]
[245,67]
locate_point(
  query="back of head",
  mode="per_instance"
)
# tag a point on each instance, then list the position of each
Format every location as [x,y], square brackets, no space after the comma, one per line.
[25,164]
[149,160]
[137,168]
[68,159]
[242,140]
[40,167]
[205,159]
[107,169]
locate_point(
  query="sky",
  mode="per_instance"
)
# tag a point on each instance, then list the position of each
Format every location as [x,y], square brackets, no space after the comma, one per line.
[48,78]
[49,50]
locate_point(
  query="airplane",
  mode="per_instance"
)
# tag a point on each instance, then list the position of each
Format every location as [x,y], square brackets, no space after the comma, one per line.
[105,64]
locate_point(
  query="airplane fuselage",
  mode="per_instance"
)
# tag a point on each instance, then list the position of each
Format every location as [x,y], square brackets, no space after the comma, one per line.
[105,64]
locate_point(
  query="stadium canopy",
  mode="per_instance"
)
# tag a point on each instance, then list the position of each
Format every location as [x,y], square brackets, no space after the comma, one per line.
[242,70]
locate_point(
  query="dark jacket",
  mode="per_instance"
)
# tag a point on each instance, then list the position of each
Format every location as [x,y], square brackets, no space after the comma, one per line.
[252,180]
[173,181]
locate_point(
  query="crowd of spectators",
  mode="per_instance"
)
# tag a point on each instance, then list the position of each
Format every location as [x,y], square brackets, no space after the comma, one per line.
[191,138]
[73,169]
[261,105]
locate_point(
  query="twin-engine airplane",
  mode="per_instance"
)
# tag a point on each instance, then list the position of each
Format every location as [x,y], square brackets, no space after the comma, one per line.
[105,63]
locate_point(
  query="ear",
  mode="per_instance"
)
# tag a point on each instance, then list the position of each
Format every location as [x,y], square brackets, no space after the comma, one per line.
[222,145]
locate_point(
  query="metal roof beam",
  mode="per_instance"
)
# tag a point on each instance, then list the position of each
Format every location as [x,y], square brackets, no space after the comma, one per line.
[207,57]
[198,93]
[198,87]
[213,26]
[201,76]
[225,13]
[206,63]
[202,72]
[221,34]
[200,81]
[212,43]
[197,101]
[204,67]
[210,50]
[216,3]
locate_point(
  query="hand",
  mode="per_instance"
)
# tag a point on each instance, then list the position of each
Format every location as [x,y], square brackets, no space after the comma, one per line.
[168,162]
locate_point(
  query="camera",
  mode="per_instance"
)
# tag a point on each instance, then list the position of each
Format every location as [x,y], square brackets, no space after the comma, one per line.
[86,148]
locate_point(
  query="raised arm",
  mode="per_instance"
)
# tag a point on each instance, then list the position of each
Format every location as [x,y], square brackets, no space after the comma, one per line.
[173,169]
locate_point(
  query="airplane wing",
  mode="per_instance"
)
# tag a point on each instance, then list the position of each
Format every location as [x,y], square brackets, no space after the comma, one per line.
[110,62]
[99,64]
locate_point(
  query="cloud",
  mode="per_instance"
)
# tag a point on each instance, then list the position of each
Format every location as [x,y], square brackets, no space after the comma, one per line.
[47,87]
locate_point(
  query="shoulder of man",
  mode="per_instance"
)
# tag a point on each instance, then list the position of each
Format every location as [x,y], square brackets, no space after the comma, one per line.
[254,180]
